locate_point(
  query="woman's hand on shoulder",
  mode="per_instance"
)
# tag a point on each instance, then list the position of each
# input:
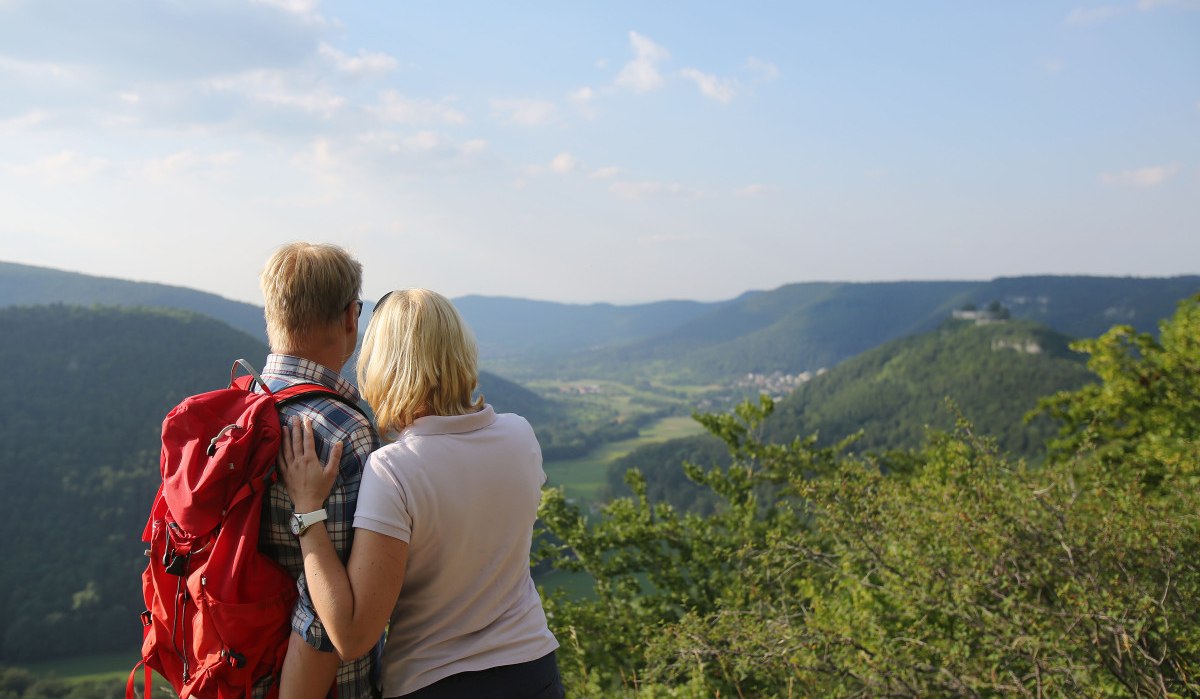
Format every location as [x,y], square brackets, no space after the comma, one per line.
[307,480]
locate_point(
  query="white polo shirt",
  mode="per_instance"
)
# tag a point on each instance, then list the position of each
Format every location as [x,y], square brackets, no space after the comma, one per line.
[463,491]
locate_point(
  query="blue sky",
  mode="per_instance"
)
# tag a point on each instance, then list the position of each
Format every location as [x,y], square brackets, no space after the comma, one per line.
[616,151]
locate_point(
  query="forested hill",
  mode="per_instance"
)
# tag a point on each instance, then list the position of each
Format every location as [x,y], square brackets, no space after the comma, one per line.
[994,374]
[86,391]
[895,393]
[808,326]
[85,394]
[22,285]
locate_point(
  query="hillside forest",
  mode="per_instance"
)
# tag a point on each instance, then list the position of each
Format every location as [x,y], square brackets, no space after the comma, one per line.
[950,569]
[909,489]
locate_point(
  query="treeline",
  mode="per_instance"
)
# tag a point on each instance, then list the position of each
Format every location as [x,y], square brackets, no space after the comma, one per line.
[952,569]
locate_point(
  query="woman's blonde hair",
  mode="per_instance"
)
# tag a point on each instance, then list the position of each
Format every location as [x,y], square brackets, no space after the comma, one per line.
[418,358]
[306,286]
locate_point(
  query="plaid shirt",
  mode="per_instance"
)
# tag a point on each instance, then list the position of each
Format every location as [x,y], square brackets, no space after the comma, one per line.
[333,421]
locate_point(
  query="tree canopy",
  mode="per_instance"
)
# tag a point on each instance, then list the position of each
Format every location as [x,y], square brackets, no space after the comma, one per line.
[971,573]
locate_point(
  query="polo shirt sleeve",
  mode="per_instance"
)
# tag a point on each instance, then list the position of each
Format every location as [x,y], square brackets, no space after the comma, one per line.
[383,503]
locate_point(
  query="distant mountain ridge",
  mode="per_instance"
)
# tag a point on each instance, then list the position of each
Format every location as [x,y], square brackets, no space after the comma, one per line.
[26,285]
[504,327]
[816,325]
[512,326]
[793,328]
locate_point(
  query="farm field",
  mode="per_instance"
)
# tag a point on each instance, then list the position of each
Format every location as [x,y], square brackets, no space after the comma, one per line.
[583,478]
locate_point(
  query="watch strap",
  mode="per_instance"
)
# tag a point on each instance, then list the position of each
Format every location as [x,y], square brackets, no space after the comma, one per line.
[308,519]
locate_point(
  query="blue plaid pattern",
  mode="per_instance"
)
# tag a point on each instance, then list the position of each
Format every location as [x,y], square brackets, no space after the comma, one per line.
[333,422]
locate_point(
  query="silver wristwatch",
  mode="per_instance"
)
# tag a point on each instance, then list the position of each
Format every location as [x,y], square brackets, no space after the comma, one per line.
[301,522]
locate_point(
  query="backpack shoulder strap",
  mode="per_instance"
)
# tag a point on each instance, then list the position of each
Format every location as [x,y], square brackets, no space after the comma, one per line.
[288,395]
[300,391]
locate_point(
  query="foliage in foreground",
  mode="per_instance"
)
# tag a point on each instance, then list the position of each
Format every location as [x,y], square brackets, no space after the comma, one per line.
[19,683]
[960,573]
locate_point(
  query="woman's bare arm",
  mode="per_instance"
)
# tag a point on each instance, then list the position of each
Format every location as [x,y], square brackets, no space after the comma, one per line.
[354,601]
[307,672]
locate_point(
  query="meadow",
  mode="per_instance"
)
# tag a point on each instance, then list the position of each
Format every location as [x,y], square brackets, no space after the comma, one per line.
[583,479]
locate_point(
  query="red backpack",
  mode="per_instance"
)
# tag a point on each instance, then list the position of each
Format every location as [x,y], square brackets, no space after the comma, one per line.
[217,611]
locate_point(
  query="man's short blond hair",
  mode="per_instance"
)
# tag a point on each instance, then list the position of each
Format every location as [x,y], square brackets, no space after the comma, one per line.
[307,286]
[418,357]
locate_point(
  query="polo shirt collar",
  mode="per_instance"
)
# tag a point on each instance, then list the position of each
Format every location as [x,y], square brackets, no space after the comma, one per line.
[453,424]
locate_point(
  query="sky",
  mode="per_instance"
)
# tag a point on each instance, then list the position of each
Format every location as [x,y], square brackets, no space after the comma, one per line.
[613,151]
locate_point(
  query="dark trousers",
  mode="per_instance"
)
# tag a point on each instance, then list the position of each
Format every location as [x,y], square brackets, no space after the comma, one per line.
[536,679]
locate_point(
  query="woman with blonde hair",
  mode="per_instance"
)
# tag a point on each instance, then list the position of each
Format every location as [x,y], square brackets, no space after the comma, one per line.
[444,522]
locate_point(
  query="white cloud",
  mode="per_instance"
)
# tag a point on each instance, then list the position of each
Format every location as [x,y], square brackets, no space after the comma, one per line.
[752,191]
[641,190]
[1092,15]
[582,99]
[66,167]
[24,121]
[304,9]
[641,74]
[524,112]
[393,142]
[365,63]
[472,147]
[272,87]
[327,172]
[36,69]
[764,71]
[1148,5]
[189,162]
[423,140]
[711,86]
[564,163]
[130,97]
[605,173]
[319,156]
[299,7]
[1151,176]
[394,107]
[433,147]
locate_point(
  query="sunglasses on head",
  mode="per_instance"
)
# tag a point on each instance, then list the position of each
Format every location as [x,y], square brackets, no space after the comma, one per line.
[380,302]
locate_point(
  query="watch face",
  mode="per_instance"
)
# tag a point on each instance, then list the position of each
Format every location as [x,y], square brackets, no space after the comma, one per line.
[296,525]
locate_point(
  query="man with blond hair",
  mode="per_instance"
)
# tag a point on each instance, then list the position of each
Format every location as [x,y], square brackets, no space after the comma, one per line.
[311,295]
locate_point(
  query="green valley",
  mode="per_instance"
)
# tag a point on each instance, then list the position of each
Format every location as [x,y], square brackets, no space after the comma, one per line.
[609,390]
